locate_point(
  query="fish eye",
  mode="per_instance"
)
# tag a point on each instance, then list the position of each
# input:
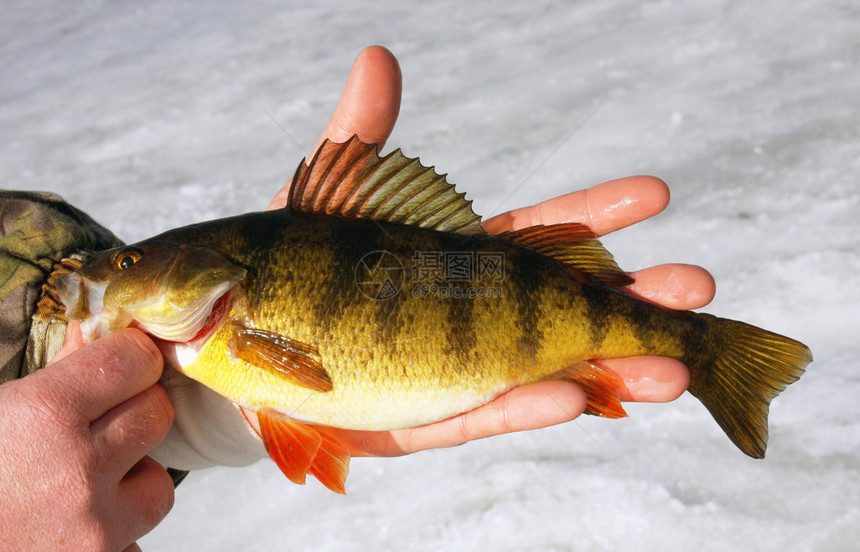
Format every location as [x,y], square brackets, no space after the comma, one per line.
[127,257]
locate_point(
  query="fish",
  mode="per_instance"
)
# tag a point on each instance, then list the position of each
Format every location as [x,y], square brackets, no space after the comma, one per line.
[374,300]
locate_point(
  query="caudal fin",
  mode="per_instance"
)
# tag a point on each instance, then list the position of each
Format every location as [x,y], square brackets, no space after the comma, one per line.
[737,370]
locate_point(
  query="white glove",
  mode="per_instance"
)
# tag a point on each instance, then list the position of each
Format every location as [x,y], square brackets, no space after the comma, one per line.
[208,430]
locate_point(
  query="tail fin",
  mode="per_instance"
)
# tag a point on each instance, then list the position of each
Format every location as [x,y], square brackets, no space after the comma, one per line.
[737,370]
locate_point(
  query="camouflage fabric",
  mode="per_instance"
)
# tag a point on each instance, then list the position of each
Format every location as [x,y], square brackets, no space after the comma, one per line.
[41,236]
[37,231]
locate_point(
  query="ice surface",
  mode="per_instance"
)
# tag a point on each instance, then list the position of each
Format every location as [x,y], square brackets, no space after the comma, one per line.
[153,114]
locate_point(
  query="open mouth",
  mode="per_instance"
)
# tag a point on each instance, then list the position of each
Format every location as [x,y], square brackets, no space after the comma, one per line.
[214,320]
[180,354]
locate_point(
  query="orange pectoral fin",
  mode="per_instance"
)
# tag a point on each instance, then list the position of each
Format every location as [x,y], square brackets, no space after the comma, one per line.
[291,359]
[299,449]
[602,388]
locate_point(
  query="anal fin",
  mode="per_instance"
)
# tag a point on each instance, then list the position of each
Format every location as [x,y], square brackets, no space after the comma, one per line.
[299,449]
[291,359]
[602,388]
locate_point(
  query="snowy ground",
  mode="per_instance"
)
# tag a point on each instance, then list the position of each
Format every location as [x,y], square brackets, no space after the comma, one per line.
[153,114]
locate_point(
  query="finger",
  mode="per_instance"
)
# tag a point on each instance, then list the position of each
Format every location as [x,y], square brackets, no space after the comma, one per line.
[93,379]
[371,99]
[143,499]
[72,341]
[674,286]
[604,208]
[368,106]
[650,378]
[129,431]
[523,408]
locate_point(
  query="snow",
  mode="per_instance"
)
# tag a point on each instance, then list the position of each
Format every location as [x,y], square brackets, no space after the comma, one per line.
[149,115]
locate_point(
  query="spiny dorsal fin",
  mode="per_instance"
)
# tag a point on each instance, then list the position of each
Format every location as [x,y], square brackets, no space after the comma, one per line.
[351,180]
[573,245]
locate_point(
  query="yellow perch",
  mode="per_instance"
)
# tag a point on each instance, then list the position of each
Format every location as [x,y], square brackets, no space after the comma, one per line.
[374,301]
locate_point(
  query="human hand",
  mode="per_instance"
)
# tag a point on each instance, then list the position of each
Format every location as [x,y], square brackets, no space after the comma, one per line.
[369,108]
[74,474]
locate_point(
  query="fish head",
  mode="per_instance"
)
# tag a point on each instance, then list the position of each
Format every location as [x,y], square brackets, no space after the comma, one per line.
[167,289]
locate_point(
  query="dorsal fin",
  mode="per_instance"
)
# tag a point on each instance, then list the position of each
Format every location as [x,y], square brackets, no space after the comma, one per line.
[351,180]
[573,245]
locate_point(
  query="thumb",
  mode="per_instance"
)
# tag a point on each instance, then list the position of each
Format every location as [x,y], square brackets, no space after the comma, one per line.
[74,340]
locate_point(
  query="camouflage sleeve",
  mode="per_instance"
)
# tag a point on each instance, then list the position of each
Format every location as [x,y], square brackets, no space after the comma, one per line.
[37,231]
[41,236]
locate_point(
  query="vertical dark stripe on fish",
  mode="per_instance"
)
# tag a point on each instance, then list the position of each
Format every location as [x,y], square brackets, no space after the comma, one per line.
[597,308]
[462,338]
[526,280]
[334,284]
[646,325]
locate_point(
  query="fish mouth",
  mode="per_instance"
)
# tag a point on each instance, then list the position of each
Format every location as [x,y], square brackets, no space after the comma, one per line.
[80,298]
[180,354]
[216,317]
[184,324]
[84,301]
[213,320]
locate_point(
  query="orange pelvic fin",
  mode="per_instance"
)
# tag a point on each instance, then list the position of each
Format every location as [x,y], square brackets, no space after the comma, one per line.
[602,388]
[331,464]
[299,449]
[292,445]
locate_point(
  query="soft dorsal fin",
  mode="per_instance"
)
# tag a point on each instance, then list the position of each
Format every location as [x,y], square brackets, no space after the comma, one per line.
[573,245]
[351,180]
